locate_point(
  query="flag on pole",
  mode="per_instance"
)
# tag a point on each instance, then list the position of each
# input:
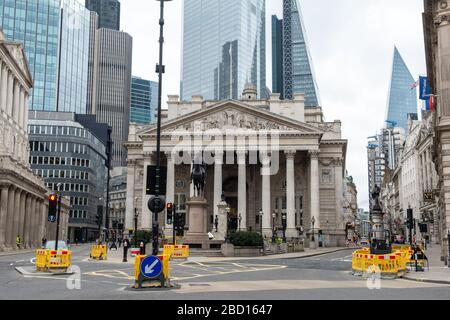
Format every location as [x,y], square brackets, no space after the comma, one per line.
[415,85]
[425,94]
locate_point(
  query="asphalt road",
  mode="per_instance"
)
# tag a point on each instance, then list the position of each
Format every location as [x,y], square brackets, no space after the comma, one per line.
[323,277]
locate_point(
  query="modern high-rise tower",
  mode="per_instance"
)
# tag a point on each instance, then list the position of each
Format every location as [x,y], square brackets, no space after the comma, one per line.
[144,101]
[292,66]
[36,24]
[402,98]
[224,47]
[111,91]
[108,12]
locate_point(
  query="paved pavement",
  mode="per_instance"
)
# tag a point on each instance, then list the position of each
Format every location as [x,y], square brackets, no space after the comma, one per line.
[437,273]
[316,277]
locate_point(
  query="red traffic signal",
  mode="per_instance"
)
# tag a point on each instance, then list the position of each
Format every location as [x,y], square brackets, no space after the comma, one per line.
[52,207]
[169,206]
[52,198]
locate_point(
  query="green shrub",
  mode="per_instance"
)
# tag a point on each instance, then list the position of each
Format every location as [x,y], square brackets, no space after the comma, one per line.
[144,236]
[246,239]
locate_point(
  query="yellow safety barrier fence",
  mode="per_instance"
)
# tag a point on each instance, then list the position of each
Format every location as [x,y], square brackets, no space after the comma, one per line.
[389,264]
[177,251]
[99,252]
[49,260]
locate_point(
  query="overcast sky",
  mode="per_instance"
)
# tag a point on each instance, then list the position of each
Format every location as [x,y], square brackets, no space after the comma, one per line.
[352,45]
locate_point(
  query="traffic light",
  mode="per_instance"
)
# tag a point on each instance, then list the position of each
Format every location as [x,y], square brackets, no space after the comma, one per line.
[179,223]
[169,209]
[52,207]
[410,217]
[99,216]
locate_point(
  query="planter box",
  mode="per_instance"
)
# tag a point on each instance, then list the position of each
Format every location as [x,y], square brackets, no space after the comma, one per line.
[229,250]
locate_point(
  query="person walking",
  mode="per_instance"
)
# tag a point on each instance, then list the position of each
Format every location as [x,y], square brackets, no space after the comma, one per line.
[18,242]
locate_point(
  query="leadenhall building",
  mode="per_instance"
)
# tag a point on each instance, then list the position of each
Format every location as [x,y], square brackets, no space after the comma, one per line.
[276,163]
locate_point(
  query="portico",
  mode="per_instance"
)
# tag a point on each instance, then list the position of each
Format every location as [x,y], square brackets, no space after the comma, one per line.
[260,160]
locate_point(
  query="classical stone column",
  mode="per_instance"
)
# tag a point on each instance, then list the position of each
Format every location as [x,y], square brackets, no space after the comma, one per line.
[242,189]
[27,222]
[21,108]
[16,99]
[130,202]
[315,188]
[339,185]
[9,93]
[33,222]
[170,190]
[266,197]
[4,87]
[291,231]
[25,118]
[218,182]
[10,241]
[3,214]
[22,217]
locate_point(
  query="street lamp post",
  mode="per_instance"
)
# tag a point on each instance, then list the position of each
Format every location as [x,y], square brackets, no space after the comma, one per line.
[261,214]
[239,220]
[160,69]
[58,217]
[284,227]
[274,216]
[313,221]
[136,215]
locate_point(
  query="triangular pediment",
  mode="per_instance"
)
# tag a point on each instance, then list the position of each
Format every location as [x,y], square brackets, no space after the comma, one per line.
[17,52]
[233,114]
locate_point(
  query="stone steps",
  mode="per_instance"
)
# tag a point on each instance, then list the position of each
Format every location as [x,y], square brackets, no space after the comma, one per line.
[205,253]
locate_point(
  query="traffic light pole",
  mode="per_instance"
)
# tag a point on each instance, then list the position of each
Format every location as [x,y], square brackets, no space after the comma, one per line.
[174,224]
[57,221]
[160,71]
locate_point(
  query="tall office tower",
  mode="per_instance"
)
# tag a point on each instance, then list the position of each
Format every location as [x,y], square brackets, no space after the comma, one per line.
[224,47]
[111,93]
[402,95]
[144,101]
[291,60]
[92,29]
[36,24]
[108,12]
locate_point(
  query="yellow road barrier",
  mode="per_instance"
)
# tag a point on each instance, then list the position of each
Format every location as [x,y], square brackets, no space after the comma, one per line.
[99,252]
[389,264]
[177,251]
[52,260]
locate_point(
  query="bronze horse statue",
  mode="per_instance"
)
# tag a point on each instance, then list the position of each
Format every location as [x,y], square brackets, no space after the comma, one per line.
[198,178]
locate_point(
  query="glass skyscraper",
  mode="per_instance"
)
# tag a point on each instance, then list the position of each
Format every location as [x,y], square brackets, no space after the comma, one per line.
[402,94]
[36,24]
[224,47]
[291,60]
[108,13]
[144,101]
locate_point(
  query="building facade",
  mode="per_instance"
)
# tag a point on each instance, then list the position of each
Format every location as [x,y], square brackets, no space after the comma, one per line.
[108,12]
[437,46]
[37,25]
[144,101]
[217,61]
[117,204]
[402,98]
[350,207]
[23,196]
[291,59]
[293,176]
[71,160]
[111,93]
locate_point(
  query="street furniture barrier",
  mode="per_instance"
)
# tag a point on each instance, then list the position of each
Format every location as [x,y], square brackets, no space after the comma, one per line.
[99,252]
[177,251]
[52,260]
[139,280]
[388,265]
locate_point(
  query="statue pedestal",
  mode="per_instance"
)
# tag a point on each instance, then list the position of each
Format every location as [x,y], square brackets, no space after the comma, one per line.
[198,222]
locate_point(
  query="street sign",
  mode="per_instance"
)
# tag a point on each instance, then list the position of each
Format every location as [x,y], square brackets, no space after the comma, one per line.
[157,204]
[52,219]
[151,267]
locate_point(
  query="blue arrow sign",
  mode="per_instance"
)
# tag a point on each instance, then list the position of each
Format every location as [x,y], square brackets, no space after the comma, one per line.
[151,267]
